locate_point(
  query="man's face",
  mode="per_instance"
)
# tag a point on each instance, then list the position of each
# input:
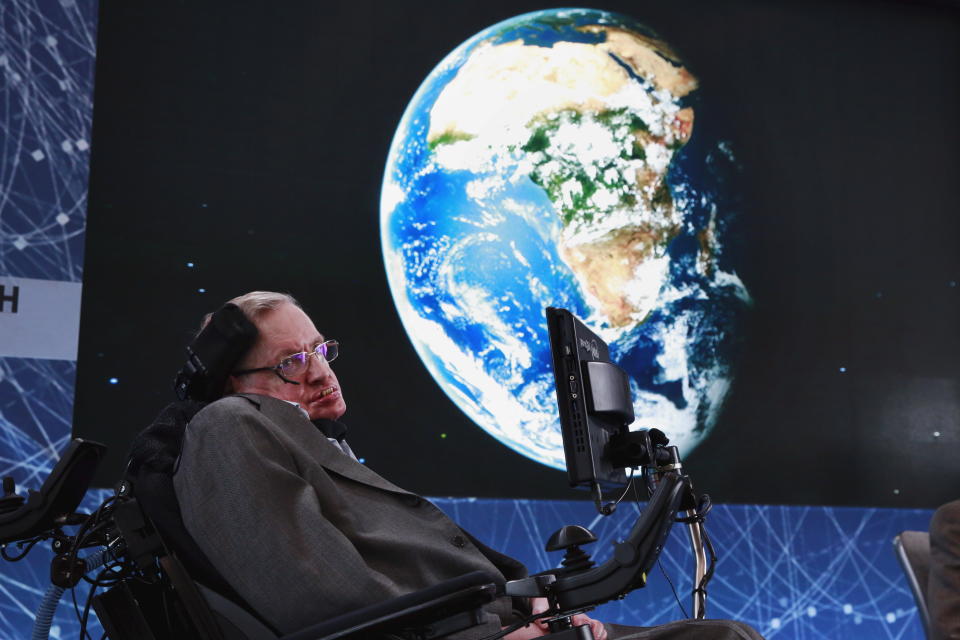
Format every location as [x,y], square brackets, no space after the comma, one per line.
[284,331]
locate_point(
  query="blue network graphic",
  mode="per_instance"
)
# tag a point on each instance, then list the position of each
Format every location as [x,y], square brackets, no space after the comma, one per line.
[792,572]
[46,108]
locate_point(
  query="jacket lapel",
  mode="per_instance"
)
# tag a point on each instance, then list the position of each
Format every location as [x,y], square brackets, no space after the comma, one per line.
[293,420]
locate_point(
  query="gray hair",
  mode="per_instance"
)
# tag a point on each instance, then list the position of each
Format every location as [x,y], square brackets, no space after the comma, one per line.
[256,303]
[253,305]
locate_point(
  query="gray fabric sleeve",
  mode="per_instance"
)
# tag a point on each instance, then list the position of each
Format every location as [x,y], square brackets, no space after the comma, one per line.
[261,524]
[943,583]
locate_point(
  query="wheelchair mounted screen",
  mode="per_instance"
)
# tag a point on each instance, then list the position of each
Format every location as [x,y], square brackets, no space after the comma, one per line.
[593,398]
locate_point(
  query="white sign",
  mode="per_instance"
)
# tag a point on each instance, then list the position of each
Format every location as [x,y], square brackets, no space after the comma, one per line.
[39,318]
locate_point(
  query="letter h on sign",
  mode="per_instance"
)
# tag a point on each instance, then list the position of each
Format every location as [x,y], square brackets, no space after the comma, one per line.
[13,299]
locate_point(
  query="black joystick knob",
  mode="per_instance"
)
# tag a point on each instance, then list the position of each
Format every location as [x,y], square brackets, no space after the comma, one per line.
[570,538]
[10,500]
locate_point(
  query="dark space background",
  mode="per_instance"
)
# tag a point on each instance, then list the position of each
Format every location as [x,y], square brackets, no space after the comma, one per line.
[249,139]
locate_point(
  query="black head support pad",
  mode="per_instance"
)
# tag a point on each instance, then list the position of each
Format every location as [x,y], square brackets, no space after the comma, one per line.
[214,353]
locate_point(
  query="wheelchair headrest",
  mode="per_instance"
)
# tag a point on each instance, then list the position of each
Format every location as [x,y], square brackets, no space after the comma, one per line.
[214,353]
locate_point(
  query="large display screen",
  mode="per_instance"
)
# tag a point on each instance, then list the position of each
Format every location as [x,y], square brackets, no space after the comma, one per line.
[753,204]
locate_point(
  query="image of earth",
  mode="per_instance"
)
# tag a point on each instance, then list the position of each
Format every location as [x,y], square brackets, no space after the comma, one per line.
[562,158]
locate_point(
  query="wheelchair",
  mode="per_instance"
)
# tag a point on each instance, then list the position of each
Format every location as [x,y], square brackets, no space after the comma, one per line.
[153,595]
[159,585]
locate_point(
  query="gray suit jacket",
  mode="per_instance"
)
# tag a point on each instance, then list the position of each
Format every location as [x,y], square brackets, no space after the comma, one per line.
[943,583]
[302,531]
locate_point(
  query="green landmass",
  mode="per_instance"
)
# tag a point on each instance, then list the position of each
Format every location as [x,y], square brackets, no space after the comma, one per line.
[539,141]
[661,197]
[552,171]
[449,137]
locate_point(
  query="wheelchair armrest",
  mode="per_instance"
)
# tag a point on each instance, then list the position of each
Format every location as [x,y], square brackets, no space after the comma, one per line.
[61,493]
[451,605]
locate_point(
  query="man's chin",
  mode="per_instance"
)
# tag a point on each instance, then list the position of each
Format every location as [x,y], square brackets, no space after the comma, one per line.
[328,410]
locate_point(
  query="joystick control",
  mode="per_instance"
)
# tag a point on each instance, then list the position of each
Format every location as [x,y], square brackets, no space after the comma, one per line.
[570,538]
[10,501]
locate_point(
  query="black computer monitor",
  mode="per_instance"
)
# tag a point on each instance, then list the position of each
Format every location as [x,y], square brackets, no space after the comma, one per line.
[594,399]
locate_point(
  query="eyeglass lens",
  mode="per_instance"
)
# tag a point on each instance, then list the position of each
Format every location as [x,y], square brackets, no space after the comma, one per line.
[297,363]
[328,350]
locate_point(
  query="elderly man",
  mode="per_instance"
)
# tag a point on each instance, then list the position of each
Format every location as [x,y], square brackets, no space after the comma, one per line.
[296,525]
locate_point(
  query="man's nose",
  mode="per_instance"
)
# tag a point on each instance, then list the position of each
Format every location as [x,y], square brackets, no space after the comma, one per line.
[317,369]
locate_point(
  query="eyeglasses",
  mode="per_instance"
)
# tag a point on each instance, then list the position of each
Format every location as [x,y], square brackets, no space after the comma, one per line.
[295,365]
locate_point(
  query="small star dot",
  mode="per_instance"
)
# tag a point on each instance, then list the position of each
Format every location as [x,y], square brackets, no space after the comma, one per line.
[936,434]
[37,155]
[62,219]
[20,243]
[362,460]
[891,617]
[896,492]
[203,205]
[201,290]
[113,380]
[443,435]
[843,369]
[190,265]
[848,609]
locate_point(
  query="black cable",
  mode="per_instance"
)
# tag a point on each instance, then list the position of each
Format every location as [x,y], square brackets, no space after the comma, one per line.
[89,527]
[77,539]
[672,588]
[699,517]
[109,566]
[81,543]
[702,588]
[676,596]
[117,572]
[29,544]
[103,579]
[700,513]
[76,610]
[105,508]
[610,507]
[168,607]
[706,504]
[636,493]
[651,485]
[86,610]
